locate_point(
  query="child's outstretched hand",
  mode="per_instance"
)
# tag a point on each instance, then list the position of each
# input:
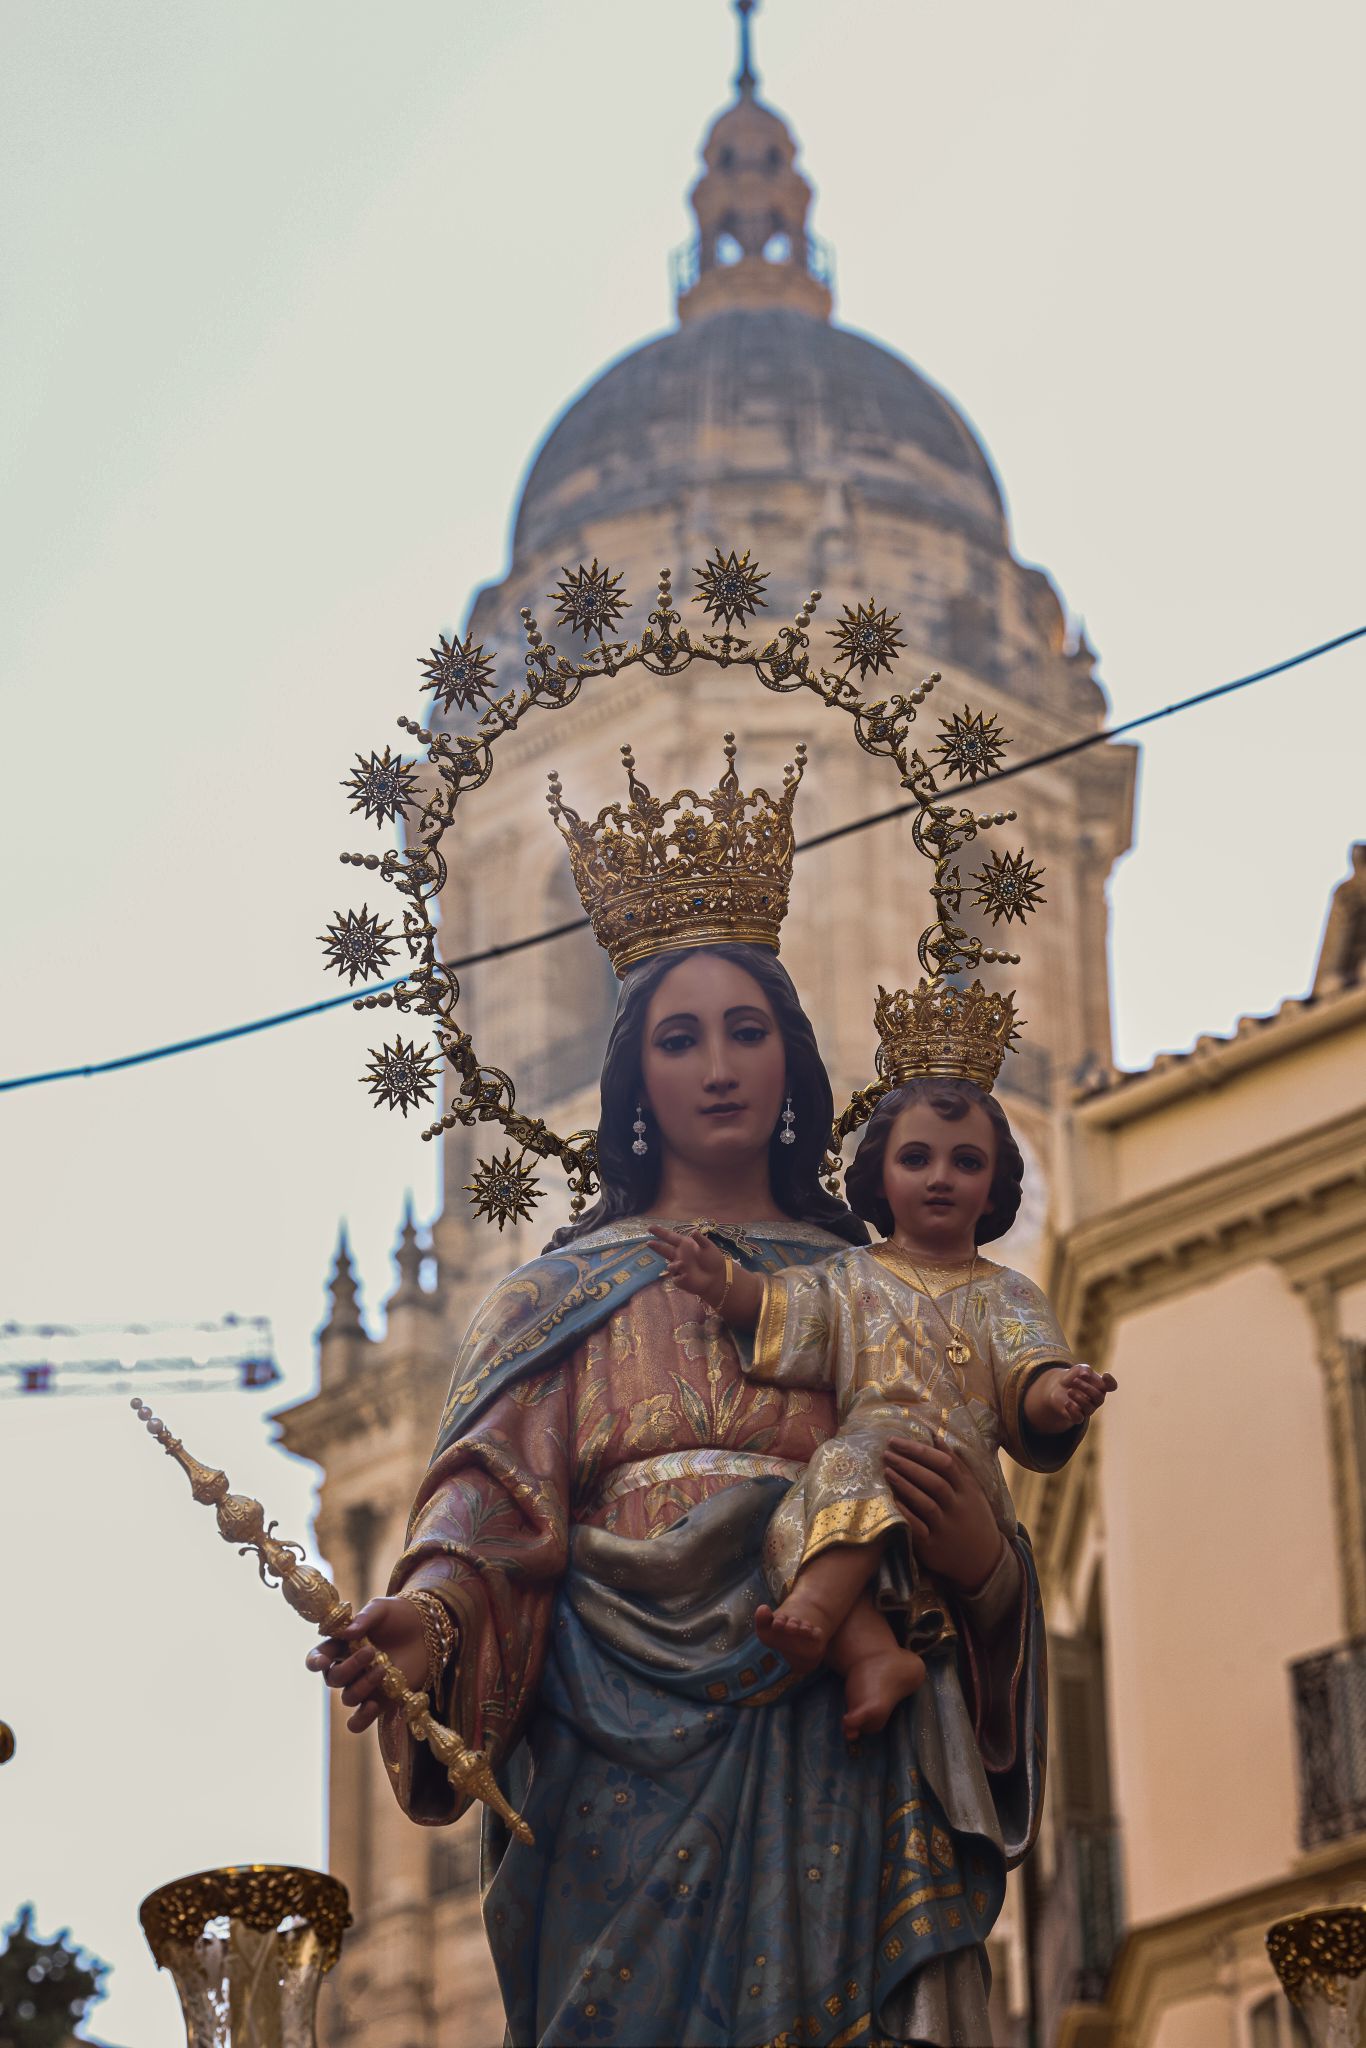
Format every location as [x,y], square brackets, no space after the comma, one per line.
[1065,1396]
[692,1260]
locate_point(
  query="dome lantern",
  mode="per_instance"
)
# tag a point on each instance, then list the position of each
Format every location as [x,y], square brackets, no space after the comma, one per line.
[752,248]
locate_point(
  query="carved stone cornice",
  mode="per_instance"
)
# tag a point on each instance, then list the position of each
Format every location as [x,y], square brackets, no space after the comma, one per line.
[388,1398]
[1299,1201]
[1212,1062]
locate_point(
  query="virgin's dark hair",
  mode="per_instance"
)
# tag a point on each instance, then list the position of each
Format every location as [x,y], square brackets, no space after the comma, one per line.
[951,1099]
[630,1183]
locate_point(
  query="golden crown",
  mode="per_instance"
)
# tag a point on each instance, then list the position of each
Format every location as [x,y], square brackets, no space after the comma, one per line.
[939,1028]
[719,873]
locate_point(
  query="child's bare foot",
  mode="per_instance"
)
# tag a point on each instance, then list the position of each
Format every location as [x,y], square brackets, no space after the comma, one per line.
[874,1685]
[798,1637]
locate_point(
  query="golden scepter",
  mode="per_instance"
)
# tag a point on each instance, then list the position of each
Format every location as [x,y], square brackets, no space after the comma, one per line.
[242,1520]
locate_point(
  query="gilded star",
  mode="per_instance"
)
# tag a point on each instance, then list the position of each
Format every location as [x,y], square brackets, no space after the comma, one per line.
[589,601]
[503,1190]
[972,744]
[356,944]
[458,671]
[730,589]
[382,787]
[400,1076]
[1008,887]
[867,639]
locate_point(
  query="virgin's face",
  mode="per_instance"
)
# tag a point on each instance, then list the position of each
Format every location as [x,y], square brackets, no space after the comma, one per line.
[713,1063]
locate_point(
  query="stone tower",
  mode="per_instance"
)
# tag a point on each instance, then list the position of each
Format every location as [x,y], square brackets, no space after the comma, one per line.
[757,423]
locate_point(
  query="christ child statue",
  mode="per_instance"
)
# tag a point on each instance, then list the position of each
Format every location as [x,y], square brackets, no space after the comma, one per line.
[921,1338]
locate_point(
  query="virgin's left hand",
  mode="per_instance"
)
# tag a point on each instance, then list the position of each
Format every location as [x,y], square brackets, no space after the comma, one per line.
[954,1531]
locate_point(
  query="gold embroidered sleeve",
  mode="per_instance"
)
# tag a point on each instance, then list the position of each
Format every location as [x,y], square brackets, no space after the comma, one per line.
[794,1337]
[1031,1448]
[1026,1338]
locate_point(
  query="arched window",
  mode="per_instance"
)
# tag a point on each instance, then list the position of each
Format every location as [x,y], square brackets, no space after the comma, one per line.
[778,247]
[728,249]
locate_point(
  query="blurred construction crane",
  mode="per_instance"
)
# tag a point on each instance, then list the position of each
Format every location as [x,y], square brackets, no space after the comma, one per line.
[137,1358]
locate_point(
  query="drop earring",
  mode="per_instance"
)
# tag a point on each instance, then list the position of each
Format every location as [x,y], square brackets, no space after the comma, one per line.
[787,1135]
[640,1148]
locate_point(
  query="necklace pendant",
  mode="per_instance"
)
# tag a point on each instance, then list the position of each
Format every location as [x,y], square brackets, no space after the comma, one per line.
[959,1352]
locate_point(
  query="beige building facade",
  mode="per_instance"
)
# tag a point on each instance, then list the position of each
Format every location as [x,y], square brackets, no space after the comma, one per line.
[1204,1557]
[1195,1223]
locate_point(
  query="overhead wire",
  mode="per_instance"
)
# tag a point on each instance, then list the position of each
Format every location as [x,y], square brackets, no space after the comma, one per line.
[1063,752]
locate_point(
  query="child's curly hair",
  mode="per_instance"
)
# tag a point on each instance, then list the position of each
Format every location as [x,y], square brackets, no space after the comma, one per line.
[951,1099]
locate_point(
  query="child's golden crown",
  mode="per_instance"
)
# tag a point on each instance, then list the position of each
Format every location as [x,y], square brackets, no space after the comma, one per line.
[941,1028]
[685,870]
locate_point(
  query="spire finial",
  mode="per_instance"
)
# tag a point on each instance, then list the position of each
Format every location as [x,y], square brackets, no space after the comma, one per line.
[408,1257]
[343,1293]
[745,80]
[753,247]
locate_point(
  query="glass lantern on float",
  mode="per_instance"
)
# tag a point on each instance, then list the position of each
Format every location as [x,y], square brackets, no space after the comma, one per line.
[1320,1959]
[247,1947]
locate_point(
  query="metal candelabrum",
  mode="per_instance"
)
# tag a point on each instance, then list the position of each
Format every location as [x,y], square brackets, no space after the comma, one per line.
[247,1947]
[1320,1959]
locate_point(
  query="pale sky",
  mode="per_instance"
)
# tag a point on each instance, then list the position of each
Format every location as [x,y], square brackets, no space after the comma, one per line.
[289,297]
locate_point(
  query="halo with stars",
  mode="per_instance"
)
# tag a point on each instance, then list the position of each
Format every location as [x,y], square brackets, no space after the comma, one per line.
[731,589]
[400,1076]
[383,787]
[867,638]
[356,945]
[589,600]
[458,671]
[1008,886]
[972,743]
[503,1190]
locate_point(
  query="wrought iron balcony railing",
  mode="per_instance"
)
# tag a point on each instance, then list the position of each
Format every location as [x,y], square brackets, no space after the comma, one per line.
[1079,1923]
[1100,1915]
[1330,1724]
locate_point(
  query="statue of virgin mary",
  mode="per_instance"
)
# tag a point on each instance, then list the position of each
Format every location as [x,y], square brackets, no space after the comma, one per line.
[712,1864]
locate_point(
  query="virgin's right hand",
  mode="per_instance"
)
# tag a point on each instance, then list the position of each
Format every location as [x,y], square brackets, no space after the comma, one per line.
[394,1626]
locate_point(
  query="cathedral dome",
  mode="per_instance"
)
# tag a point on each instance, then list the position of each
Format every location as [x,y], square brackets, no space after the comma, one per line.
[756,389]
[759,394]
